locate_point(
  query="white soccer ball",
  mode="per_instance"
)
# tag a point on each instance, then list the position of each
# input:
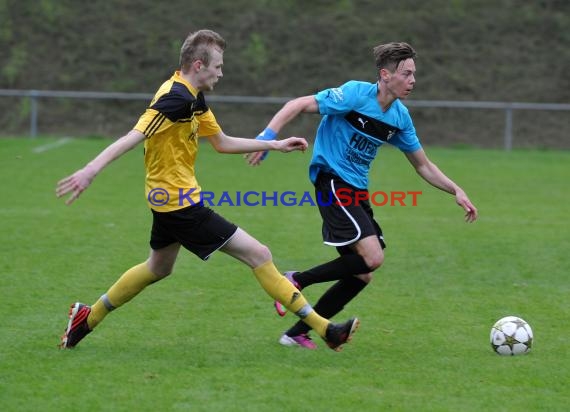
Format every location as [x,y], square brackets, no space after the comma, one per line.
[511,335]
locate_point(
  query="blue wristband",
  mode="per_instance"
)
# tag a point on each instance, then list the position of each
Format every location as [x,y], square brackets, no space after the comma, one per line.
[267,134]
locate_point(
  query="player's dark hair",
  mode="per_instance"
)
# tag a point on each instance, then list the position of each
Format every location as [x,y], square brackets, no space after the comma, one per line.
[388,56]
[197,47]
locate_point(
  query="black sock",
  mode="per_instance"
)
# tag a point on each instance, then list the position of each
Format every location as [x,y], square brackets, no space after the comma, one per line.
[332,302]
[342,267]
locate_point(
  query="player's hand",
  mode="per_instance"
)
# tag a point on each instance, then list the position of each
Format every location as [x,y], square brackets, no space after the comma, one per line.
[75,184]
[471,213]
[255,158]
[293,143]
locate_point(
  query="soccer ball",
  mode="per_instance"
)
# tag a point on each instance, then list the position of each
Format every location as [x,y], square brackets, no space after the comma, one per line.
[511,336]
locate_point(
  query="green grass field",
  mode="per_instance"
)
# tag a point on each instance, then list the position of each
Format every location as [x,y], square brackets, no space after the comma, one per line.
[205,339]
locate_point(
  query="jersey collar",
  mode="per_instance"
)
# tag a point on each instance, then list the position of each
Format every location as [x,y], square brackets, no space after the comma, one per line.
[178,78]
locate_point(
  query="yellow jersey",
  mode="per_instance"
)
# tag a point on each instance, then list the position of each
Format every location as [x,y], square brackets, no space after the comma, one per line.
[176,117]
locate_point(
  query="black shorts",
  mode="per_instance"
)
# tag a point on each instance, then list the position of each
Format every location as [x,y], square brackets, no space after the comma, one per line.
[197,228]
[344,221]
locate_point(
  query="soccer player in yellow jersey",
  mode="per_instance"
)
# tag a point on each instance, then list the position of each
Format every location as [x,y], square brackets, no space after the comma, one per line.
[170,127]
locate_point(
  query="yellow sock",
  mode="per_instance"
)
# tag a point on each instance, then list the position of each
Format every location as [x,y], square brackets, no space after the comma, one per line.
[279,288]
[130,284]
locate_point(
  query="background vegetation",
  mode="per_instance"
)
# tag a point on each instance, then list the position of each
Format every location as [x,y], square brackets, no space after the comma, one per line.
[504,50]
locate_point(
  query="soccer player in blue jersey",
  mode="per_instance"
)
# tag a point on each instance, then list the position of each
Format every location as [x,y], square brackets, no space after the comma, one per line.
[170,129]
[357,119]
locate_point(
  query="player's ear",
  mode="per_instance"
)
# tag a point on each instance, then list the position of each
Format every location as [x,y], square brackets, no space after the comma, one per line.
[385,75]
[197,65]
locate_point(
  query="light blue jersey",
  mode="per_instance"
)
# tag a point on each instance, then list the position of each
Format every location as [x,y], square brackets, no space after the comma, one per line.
[352,129]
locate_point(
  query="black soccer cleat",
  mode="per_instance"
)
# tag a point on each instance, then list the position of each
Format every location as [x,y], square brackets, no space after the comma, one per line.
[77,327]
[339,334]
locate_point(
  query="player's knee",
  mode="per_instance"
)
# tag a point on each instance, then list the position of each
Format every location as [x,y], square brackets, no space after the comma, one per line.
[366,277]
[160,267]
[261,254]
[374,261]
[161,271]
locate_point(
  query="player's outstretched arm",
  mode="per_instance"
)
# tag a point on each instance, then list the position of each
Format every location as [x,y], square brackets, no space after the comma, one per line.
[229,144]
[291,109]
[81,179]
[434,176]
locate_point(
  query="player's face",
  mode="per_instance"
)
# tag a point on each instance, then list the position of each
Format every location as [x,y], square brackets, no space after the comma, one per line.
[400,83]
[208,76]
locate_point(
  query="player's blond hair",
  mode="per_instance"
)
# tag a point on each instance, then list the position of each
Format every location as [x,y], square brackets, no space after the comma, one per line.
[388,56]
[197,46]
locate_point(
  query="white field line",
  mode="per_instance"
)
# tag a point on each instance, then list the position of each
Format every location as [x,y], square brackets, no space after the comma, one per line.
[54,145]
